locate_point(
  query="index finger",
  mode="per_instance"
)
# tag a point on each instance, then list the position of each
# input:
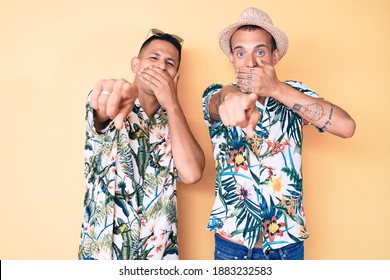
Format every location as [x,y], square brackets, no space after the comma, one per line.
[157,73]
[115,100]
[249,101]
[253,119]
[246,70]
[121,116]
[252,114]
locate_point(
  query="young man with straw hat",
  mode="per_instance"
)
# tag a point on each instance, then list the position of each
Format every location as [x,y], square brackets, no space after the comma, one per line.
[255,126]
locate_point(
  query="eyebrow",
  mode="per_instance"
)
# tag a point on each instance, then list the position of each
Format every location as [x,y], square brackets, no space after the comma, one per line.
[258,46]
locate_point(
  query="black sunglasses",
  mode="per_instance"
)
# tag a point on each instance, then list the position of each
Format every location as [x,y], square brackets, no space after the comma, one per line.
[158,32]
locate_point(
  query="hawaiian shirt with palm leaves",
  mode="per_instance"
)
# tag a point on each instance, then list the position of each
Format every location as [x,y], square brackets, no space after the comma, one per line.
[130,200]
[258,183]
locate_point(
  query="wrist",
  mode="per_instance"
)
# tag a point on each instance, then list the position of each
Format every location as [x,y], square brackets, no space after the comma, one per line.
[174,109]
[278,90]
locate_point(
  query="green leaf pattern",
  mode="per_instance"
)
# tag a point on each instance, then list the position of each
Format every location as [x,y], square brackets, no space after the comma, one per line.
[258,184]
[130,199]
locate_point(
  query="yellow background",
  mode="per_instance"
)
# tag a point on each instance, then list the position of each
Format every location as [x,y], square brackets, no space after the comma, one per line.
[53,52]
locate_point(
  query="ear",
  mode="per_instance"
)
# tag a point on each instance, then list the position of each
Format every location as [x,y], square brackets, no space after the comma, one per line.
[134,64]
[275,57]
[230,56]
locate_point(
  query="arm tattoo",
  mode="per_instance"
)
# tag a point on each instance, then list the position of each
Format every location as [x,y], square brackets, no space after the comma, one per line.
[312,111]
[215,117]
[329,118]
[296,107]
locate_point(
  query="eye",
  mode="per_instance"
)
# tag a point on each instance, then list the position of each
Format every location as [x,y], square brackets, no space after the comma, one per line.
[260,53]
[170,62]
[240,54]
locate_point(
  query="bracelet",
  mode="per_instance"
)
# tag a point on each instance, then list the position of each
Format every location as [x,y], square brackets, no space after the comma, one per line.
[328,120]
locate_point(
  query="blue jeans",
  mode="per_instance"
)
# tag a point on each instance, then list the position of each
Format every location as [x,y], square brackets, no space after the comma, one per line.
[227,250]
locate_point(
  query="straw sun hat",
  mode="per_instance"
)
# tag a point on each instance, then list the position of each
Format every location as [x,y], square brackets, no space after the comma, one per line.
[254,16]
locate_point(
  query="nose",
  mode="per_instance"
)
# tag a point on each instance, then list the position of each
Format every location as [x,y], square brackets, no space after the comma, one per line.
[161,64]
[251,61]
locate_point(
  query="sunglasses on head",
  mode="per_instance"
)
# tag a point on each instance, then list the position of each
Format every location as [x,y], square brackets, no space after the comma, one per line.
[158,32]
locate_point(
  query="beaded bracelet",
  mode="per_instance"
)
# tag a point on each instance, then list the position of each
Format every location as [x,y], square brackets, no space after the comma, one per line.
[330,117]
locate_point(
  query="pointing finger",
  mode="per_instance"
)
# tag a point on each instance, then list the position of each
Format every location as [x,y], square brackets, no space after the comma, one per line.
[252,114]
[121,116]
[115,100]
[254,118]
[249,101]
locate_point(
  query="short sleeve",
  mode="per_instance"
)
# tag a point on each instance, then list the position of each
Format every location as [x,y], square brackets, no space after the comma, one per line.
[207,95]
[302,88]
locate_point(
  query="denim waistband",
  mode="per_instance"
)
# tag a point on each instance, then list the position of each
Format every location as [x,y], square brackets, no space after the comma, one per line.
[246,253]
[236,247]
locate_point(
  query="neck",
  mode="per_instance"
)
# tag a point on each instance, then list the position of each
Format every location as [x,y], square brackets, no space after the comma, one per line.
[261,99]
[149,103]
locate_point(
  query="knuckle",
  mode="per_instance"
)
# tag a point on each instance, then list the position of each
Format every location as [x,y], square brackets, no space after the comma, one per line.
[241,123]
[122,82]
[102,102]
[110,114]
[94,96]
[100,83]
[126,86]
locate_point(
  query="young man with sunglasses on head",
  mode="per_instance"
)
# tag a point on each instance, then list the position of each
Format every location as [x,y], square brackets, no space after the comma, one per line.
[138,144]
[255,126]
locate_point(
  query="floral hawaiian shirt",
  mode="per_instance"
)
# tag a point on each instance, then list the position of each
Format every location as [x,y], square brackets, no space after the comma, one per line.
[130,200]
[258,183]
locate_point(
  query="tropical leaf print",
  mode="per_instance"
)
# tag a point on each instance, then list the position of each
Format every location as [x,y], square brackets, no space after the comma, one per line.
[130,200]
[258,183]
[290,122]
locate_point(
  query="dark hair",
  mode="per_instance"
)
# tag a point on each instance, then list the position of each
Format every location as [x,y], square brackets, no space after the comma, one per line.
[164,37]
[251,28]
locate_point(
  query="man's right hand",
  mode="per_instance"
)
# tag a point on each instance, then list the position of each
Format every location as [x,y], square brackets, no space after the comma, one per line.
[113,99]
[239,109]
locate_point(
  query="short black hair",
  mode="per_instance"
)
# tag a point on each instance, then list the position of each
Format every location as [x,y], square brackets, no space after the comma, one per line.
[164,37]
[251,28]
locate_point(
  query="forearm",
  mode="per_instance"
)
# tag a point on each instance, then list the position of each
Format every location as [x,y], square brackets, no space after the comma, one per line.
[187,153]
[318,112]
